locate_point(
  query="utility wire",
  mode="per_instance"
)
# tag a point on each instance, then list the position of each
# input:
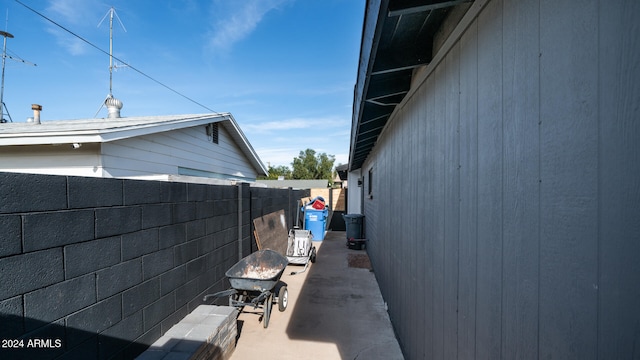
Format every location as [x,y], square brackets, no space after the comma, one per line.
[123,62]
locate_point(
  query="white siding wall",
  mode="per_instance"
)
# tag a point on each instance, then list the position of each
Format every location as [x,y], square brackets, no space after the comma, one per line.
[164,153]
[52,159]
[354,200]
[504,216]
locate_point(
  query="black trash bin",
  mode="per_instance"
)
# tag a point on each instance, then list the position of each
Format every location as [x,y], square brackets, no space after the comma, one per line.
[353,222]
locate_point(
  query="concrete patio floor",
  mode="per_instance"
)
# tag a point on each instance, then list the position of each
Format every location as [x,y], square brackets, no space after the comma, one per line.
[335,311]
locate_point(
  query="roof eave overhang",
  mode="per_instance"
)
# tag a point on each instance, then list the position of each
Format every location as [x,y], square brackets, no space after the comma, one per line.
[397,38]
[108,134]
[119,133]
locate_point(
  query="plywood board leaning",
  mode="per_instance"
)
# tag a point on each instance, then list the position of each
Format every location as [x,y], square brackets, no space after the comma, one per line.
[271,232]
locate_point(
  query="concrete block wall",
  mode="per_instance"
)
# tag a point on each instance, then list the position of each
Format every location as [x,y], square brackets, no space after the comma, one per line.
[263,204]
[207,333]
[101,268]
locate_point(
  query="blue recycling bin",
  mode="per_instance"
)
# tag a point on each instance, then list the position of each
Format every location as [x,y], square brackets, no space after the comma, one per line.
[316,222]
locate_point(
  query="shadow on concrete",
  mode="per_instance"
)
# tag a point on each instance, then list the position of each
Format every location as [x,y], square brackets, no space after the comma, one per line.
[56,341]
[342,305]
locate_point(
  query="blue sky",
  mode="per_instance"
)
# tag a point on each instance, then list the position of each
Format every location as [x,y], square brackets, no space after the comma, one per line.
[285,69]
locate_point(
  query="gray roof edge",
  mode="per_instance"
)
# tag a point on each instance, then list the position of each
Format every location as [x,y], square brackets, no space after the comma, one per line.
[106,130]
[245,145]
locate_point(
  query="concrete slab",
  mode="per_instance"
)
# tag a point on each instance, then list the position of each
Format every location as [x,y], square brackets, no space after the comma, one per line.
[335,311]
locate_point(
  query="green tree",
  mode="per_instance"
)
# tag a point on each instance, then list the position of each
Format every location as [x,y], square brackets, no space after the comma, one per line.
[277,171]
[310,166]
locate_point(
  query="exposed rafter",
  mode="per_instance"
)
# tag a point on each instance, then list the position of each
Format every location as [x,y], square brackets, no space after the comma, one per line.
[398,37]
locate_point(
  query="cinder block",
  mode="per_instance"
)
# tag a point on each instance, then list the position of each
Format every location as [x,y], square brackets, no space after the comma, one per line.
[155,215]
[196,268]
[229,192]
[186,293]
[216,191]
[186,252]
[173,192]
[204,209]
[54,331]
[207,279]
[174,318]
[172,279]
[196,229]
[115,338]
[29,192]
[58,300]
[51,229]
[157,263]
[142,192]
[183,212]
[81,351]
[206,244]
[93,319]
[213,224]
[158,310]
[118,220]
[139,243]
[139,296]
[153,354]
[222,207]
[203,334]
[197,192]
[12,318]
[172,235]
[85,192]
[27,272]
[117,278]
[87,257]
[11,226]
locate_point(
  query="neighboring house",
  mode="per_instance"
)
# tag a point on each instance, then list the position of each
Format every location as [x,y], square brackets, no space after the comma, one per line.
[498,143]
[342,172]
[197,146]
[295,184]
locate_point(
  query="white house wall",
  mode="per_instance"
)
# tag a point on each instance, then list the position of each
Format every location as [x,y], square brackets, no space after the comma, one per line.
[52,159]
[354,200]
[503,220]
[165,153]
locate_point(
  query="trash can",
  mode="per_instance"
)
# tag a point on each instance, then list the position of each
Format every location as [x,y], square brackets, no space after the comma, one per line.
[316,222]
[353,222]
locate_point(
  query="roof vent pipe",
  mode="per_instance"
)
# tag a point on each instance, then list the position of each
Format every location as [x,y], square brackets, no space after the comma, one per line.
[36,113]
[113,106]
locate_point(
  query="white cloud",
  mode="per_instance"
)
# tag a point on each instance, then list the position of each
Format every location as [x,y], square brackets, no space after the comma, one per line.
[74,15]
[277,156]
[235,20]
[295,123]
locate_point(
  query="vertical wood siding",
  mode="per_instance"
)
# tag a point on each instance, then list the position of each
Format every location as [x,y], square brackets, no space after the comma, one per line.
[505,216]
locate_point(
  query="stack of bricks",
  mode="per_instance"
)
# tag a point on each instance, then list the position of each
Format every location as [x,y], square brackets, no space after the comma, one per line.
[209,332]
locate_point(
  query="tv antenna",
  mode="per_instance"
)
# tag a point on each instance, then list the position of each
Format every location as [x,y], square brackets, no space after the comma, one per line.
[111,13]
[3,106]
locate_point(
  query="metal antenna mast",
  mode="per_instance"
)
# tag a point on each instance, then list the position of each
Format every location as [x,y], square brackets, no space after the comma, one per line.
[111,13]
[110,99]
[5,35]
[3,106]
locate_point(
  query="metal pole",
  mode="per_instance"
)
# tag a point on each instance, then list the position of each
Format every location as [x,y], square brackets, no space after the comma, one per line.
[4,56]
[111,52]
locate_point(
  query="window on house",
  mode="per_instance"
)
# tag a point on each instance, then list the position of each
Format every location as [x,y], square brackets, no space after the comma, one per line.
[212,132]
